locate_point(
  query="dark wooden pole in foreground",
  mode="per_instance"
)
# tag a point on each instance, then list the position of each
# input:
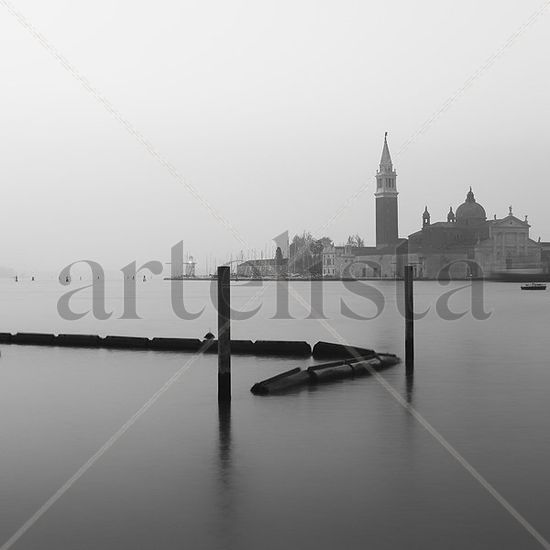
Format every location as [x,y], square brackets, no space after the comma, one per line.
[409,320]
[224,335]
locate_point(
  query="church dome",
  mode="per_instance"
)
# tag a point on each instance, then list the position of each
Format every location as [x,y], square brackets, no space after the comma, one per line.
[470,211]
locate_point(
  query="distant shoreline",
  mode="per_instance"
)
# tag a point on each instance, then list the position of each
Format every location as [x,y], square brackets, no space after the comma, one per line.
[515,278]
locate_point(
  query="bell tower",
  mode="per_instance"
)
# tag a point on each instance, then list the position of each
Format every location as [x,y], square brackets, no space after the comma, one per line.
[386,200]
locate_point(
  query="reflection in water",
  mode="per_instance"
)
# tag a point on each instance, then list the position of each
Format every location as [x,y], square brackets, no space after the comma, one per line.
[224,444]
[226,483]
[409,380]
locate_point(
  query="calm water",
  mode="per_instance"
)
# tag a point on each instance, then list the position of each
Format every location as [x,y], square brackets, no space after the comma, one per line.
[344,466]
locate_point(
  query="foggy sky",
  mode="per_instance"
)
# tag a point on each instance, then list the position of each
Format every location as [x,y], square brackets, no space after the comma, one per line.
[274,111]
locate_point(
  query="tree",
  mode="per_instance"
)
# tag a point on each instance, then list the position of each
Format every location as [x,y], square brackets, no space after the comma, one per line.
[279,263]
[300,254]
[306,254]
[325,241]
[316,268]
[355,240]
[278,256]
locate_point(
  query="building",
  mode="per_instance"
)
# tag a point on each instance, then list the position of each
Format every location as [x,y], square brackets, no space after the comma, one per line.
[466,245]
[545,255]
[264,268]
[469,245]
[336,261]
[388,258]
[356,262]
[386,200]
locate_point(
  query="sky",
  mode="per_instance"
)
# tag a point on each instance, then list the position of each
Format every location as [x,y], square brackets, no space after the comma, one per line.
[272,115]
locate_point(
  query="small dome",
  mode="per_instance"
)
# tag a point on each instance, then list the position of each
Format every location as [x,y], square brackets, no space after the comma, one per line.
[470,211]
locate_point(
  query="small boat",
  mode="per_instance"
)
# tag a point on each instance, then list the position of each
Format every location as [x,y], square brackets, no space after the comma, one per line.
[534,286]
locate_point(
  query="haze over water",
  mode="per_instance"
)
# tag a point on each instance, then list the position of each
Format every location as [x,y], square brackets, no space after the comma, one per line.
[339,466]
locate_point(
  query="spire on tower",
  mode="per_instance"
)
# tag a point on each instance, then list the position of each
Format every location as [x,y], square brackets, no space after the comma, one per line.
[386,164]
[387,232]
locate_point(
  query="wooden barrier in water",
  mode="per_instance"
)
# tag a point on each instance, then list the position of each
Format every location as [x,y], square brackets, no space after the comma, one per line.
[33,339]
[274,348]
[239,347]
[176,344]
[322,350]
[78,340]
[282,347]
[126,342]
[324,373]
[381,362]
[289,379]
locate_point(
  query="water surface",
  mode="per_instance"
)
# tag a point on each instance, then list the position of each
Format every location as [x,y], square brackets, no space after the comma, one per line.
[339,466]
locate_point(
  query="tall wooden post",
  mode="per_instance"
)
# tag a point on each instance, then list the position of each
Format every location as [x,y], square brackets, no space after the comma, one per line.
[224,335]
[409,320]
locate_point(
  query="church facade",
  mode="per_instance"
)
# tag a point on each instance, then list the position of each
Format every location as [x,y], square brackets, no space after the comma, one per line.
[468,245]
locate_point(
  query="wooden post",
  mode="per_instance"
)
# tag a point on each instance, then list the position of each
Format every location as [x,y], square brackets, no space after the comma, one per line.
[409,320]
[224,335]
